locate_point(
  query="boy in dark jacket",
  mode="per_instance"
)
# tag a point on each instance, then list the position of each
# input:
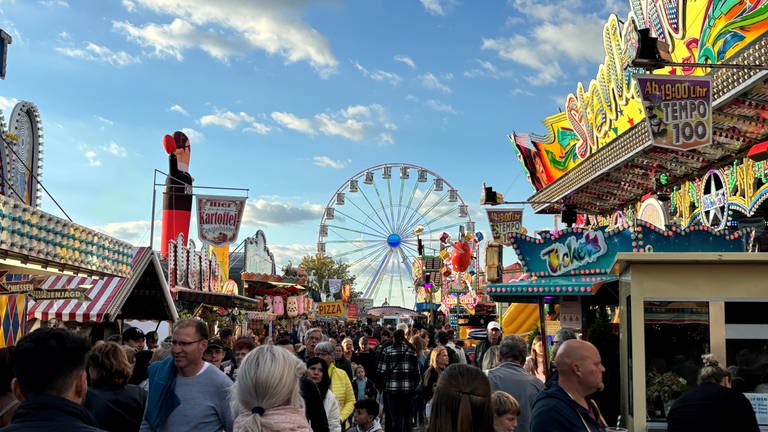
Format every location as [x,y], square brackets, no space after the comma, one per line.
[362,386]
[51,383]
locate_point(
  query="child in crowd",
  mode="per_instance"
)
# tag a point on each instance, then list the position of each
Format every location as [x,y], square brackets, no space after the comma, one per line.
[505,411]
[366,411]
[362,386]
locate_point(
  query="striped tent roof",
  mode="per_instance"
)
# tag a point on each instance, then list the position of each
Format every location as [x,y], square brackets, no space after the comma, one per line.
[107,295]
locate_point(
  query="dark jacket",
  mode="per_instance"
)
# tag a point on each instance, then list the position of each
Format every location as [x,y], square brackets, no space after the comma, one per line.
[117,409]
[51,413]
[554,410]
[370,389]
[480,349]
[313,405]
[346,366]
[712,407]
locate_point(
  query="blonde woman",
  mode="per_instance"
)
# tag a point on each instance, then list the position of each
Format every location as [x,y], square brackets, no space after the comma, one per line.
[266,393]
[438,361]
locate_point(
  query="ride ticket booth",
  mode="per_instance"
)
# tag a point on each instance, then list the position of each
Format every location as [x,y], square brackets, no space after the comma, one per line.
[675,307]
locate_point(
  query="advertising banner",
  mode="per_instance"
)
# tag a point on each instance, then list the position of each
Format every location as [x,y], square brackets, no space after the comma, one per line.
[218,218]
[678,110]
[331,309]
[352,311]
[334,285]
[504,221]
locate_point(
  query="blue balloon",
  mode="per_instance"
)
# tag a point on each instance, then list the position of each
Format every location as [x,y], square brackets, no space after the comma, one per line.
[479,236]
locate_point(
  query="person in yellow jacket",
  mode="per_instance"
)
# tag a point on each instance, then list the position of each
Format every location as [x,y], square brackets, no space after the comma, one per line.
[340,384]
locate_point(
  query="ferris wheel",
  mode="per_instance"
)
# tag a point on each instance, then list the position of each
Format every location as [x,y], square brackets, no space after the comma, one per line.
[369,223]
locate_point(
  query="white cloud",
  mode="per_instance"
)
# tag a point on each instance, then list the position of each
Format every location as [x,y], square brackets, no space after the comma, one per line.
[193,135]
[407,60]
[172,39]
[433,6]
[98,53]
[294,122]
[104,120]
[178,109]
[292,253]
[7,104]
[49,3]
[133,232]
[439,106]
[129,5]
[564,31]
[488,70]
[92,159]
[520,92]
[385,138]
[260,212]
[64,36]
[274,26]
[349,128]
[226,119]
[259,128]
[326,162]
[355,123]
[115,149]
[378,75]
[430,81]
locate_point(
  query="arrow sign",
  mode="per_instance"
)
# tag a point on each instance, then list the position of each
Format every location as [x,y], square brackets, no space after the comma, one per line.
[60,294]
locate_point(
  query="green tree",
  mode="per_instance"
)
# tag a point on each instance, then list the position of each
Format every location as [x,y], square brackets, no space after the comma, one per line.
[323,268]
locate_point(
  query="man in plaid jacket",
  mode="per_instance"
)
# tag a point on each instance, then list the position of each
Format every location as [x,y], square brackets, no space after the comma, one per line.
[398,368]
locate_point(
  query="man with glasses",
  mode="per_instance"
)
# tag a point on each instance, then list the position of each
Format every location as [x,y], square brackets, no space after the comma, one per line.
[185,392]
[312,337]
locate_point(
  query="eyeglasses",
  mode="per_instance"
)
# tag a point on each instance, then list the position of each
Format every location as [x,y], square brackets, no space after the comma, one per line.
[184,344]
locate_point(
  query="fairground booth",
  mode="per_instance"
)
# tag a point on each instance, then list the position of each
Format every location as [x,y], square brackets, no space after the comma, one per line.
[660,163]
[98,306]
[36,243]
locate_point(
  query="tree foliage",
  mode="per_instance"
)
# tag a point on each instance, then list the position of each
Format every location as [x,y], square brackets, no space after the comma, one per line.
[324,268]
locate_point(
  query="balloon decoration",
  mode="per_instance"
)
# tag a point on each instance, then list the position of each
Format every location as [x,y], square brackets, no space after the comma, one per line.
[461,256]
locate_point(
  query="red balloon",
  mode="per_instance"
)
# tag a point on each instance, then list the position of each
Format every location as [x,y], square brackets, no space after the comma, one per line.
[461,256]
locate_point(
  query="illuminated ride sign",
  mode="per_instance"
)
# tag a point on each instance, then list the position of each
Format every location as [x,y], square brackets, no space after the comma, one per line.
[574,253]
[579,251]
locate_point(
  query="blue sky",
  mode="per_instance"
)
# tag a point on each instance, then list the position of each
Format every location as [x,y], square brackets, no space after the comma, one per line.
[289,98]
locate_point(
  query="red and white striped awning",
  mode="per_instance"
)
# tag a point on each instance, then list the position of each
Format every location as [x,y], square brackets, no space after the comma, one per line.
[102,295]
[106,295]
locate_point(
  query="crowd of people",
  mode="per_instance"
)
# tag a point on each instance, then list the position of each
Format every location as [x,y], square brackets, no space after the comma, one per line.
[329,377]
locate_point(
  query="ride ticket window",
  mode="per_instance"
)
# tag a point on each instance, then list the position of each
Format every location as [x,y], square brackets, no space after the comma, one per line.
[676,336]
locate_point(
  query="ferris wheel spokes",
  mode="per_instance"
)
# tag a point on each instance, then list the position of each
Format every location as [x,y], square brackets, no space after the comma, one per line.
[373,209]
[383,227]
[383,210]
[416,211]
[361,223]
[375,280]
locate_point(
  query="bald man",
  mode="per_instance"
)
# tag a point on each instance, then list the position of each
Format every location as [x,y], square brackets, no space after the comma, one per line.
[566,406]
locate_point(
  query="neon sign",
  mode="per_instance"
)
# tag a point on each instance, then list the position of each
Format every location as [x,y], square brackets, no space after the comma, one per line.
[573,253]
